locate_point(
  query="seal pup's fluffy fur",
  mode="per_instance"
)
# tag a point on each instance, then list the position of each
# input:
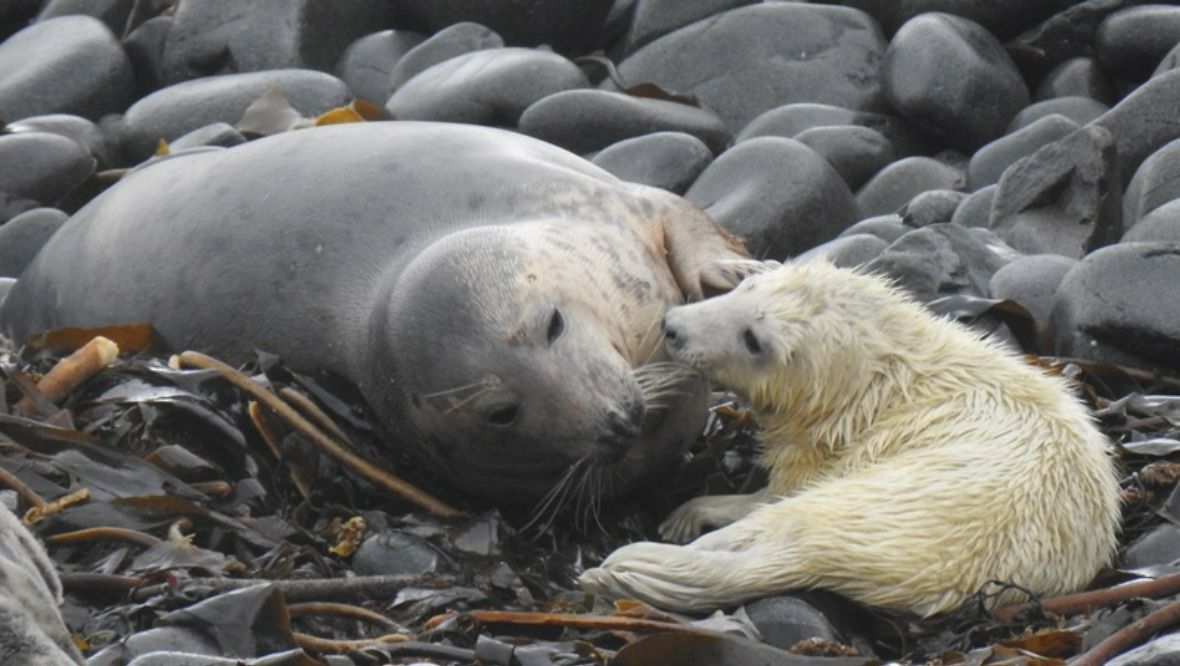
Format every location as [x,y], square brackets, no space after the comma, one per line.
[911,462]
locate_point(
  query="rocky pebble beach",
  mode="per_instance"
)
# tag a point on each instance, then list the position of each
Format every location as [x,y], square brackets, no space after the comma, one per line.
[1015,163]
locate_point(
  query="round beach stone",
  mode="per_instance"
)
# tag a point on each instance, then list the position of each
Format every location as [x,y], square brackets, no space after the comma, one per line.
[22,236]
[1161,224]
[69,64]
[931,207]
[176,110]
[988,163]
[451,41]
[903,180]
[566,25]
[113,13]
[1062,199]
[777,195]
[847,251]
[367,64]
[855,152]
[1155,183]
[1120,304]
[668,160]
[656,18]
[1004,18]
[1077,77]
[220,37]
[976,209]
[1031,281]
[145,50]
[76,128]
[1144,120]
[886,227]
[744,61]
[489,87]
[1080,110]
[1132,41]
[790,120]
[584,121]
[42,167]
[949,75]
[1065,35]
[222,135]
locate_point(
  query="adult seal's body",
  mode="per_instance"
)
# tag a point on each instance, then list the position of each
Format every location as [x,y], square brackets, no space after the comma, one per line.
[496,299]
[911,463]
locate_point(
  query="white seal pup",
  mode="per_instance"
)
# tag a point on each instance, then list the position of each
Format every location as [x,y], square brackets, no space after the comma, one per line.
[910,461]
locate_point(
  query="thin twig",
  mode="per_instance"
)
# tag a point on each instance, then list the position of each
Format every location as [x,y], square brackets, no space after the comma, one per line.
[327,445]
[312,411]
[9,479]
[341,610]
[103,533]
[302,486]
[575,621]
[1130,635]
[316,644]
[72,370]
[312,589]
[1084,602]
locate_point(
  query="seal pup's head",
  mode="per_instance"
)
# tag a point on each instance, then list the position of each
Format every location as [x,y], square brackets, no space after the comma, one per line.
[516,373]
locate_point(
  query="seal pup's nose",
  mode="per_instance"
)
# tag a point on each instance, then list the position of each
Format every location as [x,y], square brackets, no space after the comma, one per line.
[672,337]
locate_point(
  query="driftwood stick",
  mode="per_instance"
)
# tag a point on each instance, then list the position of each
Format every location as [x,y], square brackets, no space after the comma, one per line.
[312,589]
[1084,602]
[1130,636]
[72,371]
[342,455]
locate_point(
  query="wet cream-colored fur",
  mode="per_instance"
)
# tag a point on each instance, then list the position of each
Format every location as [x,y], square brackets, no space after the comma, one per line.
[910,461]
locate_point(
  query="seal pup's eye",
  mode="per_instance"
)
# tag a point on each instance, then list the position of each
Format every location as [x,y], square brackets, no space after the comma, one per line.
[503,416]
[751,340]
[556,327]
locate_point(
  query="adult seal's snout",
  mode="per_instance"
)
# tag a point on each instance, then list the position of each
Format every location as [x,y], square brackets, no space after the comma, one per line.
[417,260]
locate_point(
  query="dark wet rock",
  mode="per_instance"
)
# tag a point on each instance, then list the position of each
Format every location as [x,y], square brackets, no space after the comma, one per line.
[567,25]
[1032,281]
[790,120]
[931,207]
[886,227]
[1067,34]
[1005,18]
[941,259]
[42,167]
[184,107]
[668,160]
[976,209]
[218,37]
[489,87]
[656,18]
[70,64]
[395,553]
[1080,110]
[786,620]
[1120,304]
[949,75]
[1063,199]
[214,134]
[1161,224]
[452,41]
[13,12]
[1161,651]
[114,13]
[1159,546]
[367,64]
[145,50]
[848,251]
[22,236]
[855,152]
[1156,182]
[1077,77]
[747,60]
[82,131]
[776,194]
[584,121]
[988,163]
[903,180]
[1131,42]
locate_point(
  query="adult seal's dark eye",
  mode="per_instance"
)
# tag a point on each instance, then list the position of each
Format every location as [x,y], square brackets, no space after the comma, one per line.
[556,327]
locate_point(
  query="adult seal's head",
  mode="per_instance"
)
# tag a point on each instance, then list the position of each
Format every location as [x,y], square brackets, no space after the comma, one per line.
[496,299]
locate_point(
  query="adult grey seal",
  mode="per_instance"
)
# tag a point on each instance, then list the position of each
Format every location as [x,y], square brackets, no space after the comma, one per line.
[496,299]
